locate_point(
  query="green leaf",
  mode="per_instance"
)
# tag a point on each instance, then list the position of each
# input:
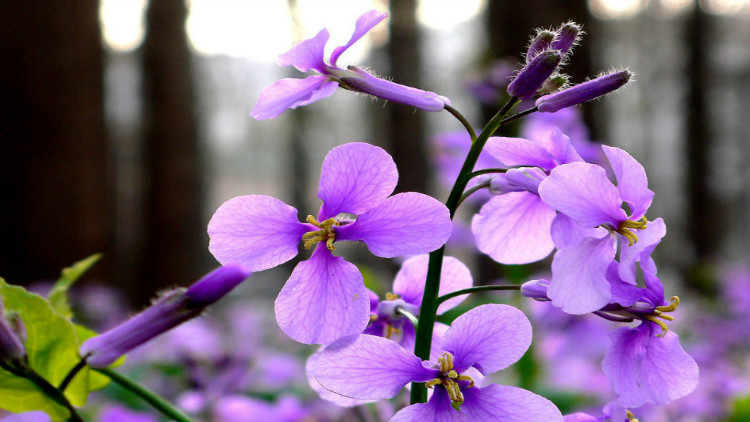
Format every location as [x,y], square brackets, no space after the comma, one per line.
[52,349]
[58,297]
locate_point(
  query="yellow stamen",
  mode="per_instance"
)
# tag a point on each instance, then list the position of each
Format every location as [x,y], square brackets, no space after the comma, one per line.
[630,416]
[449,378]
[625,226]
[660,323]
[671,307]
[325,234]
[661,312]
[391,296]
[390,330]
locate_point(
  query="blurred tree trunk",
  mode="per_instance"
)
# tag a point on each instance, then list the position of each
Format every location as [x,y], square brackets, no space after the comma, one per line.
[405,127]
[54,185]
[174,235]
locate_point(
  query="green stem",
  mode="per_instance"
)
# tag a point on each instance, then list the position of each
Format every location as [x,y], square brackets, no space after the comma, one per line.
[460,117]
[428,311]
[490,288]
[487,171]
[148,396]
[518,116]
[410,316]
[69,378]
[473,189]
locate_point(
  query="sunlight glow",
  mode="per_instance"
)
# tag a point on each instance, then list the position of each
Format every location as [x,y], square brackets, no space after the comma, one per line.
[122,23]
[725,7]
[445,14]
[616,9]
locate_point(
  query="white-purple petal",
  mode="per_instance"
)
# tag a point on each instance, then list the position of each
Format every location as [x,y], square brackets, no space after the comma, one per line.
[369,368]
[559,146]
[323,300]
[364,24]
[257,231]
[514,228]
[410,280]
[354,178]
[631,181]
[291,93]
[325,394]
[519,152]
[648,239]
[508,404]
[308,54]
[579,283]
[489,337]
[437,409]
[408,223]
[565,232]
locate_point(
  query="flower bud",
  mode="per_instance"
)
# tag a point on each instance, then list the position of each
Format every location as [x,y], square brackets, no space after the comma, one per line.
[172,309]
[527,178]
[566,37]
[361,81]
[553,84]
[533,75]
[536,289]
[541,42]
[11,346]
[583,92]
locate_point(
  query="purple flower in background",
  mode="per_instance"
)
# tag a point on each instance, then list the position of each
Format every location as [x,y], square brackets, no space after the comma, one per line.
[591,223]
[310,55]
[537,126]
[514,227]
[484,340]
[117,413]
[325,298]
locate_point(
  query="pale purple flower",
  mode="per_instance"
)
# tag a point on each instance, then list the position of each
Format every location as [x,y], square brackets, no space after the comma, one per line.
[325,298]
[514,227]
[484,340]
[590,224]
[117,413]
[569,121]
[310,55]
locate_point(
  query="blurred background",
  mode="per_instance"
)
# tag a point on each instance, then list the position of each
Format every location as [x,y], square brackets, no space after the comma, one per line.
[124,124]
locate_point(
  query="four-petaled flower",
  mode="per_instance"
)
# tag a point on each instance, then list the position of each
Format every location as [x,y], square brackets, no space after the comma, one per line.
[325,298]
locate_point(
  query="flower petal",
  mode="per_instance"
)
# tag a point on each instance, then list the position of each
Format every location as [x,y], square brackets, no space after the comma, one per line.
[437,409]
[631,181]
[410,280]
[291,93]
[364,24]
[579,283]
[583,192]
[565,232]
[325,394]
[488,337]
[648,239]
[405,224]
[257,231]
[354,178]
[559,146]
[323,300]
[508,404]
[514,228]
[308,54]
[369,368]
[519,152]
[364,82]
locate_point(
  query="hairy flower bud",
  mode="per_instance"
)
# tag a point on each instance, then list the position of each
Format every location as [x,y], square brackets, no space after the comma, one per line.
[566,37]
[172,309]
[583,92]
[553,84]
[533,75]
[540,43]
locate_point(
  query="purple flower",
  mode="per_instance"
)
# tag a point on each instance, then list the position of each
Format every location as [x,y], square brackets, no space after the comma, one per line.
[310,55]
[537,126]
[324,298]
[514,227]
[117,413]
[581,93]
[484,340]
[590,223]
[172,309]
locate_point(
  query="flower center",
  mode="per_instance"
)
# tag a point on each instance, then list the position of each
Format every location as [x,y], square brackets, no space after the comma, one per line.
[325,234]
[449,378]
[661,312]
[625,226]
[630,416]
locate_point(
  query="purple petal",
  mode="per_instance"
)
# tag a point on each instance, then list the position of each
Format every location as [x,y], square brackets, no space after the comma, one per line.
[579,283]
[354,178]
[256,231]
[405,224]
[631,181]
[514,228]
[237,408]
[410,280]
[488,337]
[364,24]
[308,54]
[507,404]
[565,232]
[366,83]
[324,394]
[323,300]
[291,93]
[579,417]
[559,146]
[437,409]
[648,239]
[519,152]
[583,192]
[369,368]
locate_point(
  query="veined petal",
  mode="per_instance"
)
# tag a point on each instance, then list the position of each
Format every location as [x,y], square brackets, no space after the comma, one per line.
[323,300]
[508,404]
[364,24]
[410,280]
[405,224]
[308,54]
[519,152]
[257,231]
[369,368]
[437,409]
[565,232]
[622,362]
[648,239]
[559,146]
[488,337]
[369,84]
[514,228]
[631,181]
[291,93]
[579,283]
[354,178]
[583,192]
[325,394]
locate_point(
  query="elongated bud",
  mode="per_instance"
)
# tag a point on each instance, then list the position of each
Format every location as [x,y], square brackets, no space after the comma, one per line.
[566,37]
[361,81]
[172,309]
[583,92]
[527,178]
[536,289]
[540,43]
[533,75]
[11,331]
